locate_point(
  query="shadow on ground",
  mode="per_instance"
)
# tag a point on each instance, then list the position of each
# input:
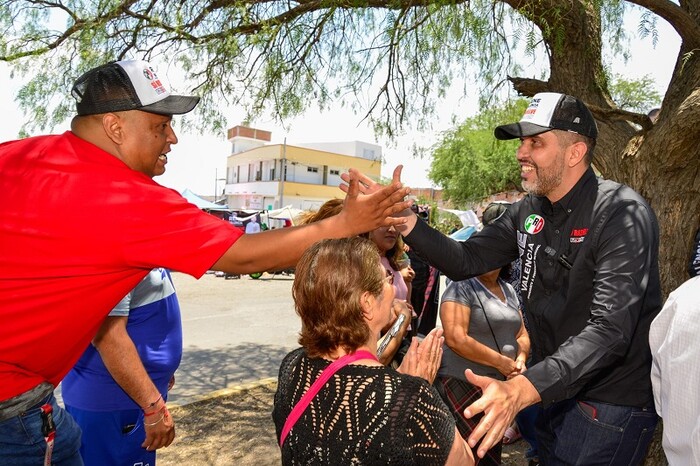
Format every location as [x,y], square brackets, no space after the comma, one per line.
[229,430]
[205,370]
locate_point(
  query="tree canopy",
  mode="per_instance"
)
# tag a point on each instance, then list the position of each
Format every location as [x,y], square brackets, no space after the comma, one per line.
[470,164]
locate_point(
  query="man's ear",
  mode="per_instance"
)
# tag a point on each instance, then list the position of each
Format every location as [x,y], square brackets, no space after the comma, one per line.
[367,305]
[577,153]
[113,126]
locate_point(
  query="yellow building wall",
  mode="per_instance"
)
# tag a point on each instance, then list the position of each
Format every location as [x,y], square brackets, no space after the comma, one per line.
[312,190]
[306,156]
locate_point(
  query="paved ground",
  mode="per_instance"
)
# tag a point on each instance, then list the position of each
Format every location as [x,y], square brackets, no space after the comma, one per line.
[235,331]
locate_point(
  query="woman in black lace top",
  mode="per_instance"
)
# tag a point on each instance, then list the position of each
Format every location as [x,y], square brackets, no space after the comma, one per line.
[366,413]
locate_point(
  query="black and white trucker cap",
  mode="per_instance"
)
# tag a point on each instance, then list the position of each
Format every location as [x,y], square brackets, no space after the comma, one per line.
[128,85]
[548,111]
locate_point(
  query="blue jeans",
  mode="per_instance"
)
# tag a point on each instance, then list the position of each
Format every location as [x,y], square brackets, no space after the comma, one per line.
[23,444]
[592,433]
[527,420]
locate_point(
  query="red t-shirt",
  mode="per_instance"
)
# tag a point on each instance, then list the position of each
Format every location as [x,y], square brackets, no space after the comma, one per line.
[78,230]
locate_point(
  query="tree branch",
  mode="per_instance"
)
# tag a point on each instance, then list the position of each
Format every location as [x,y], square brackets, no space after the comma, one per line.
[677,17]
[529,87]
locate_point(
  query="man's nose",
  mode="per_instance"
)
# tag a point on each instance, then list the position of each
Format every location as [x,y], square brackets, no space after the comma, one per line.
[172,137]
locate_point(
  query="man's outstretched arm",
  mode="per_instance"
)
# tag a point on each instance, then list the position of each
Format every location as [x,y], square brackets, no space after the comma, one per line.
[281,248]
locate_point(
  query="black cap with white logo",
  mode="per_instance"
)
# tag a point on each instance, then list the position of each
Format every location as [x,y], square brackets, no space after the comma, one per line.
[128,85]
[548,111]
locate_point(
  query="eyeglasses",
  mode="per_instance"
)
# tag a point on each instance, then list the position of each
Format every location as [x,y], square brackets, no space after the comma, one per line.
[389,277]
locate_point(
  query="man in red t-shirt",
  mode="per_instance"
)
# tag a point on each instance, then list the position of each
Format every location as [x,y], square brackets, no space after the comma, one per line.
[82,222]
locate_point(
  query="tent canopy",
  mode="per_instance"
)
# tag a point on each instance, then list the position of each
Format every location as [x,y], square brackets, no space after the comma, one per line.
[203,203]
[467,217]
[285,213]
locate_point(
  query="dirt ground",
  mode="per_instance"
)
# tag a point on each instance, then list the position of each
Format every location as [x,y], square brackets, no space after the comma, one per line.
[237,429]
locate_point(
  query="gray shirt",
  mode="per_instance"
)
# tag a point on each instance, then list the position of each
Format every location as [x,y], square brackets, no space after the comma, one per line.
[485,308]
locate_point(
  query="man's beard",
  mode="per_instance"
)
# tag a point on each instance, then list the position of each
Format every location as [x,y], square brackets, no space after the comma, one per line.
[546,179]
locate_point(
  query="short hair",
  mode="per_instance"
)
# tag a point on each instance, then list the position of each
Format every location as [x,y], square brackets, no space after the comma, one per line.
[329,281]
[654,114]
[567,138]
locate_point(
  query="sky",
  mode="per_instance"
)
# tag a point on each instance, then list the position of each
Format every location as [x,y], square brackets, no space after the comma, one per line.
[198,160]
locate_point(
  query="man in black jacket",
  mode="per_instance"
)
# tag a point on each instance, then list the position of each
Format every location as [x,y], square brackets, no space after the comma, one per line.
[590,283]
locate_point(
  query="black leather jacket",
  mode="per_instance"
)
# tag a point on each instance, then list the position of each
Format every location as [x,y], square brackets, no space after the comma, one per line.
[589,282]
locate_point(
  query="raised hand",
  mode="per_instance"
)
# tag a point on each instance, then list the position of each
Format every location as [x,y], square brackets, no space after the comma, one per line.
[367,185]
[423,359]
[362,213]
[357,184]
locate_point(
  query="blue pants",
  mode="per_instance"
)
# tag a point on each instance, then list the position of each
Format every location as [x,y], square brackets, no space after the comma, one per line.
[113,438]
[23,444]
[527,420]
[592,433]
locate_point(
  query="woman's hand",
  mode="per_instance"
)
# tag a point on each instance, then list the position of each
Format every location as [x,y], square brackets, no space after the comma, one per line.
[408,274]
[423,359]
[520,366]
[506,366]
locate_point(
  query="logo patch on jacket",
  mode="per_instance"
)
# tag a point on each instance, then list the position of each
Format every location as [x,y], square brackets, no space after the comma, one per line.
[534,224]
[578,235]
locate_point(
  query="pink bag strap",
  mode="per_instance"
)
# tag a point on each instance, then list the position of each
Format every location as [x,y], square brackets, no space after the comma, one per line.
[327,373]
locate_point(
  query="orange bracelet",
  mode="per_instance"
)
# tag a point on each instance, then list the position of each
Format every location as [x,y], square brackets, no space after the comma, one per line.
[154,412]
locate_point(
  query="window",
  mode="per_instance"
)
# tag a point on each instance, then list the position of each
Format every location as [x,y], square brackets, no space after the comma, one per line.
[334,172]
[312,169]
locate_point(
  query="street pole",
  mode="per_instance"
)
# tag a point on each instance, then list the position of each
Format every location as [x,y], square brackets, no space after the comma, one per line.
[283,171]
[216,183]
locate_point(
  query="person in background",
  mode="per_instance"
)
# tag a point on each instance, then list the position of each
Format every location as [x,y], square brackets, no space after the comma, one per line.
[675,373]
[391,250]
[252,226]
[83,222]
[133,356]
[394,258]
[590,281]
[357,410]
[484,332]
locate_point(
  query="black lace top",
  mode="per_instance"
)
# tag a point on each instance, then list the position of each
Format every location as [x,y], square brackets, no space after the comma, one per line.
[364,415]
